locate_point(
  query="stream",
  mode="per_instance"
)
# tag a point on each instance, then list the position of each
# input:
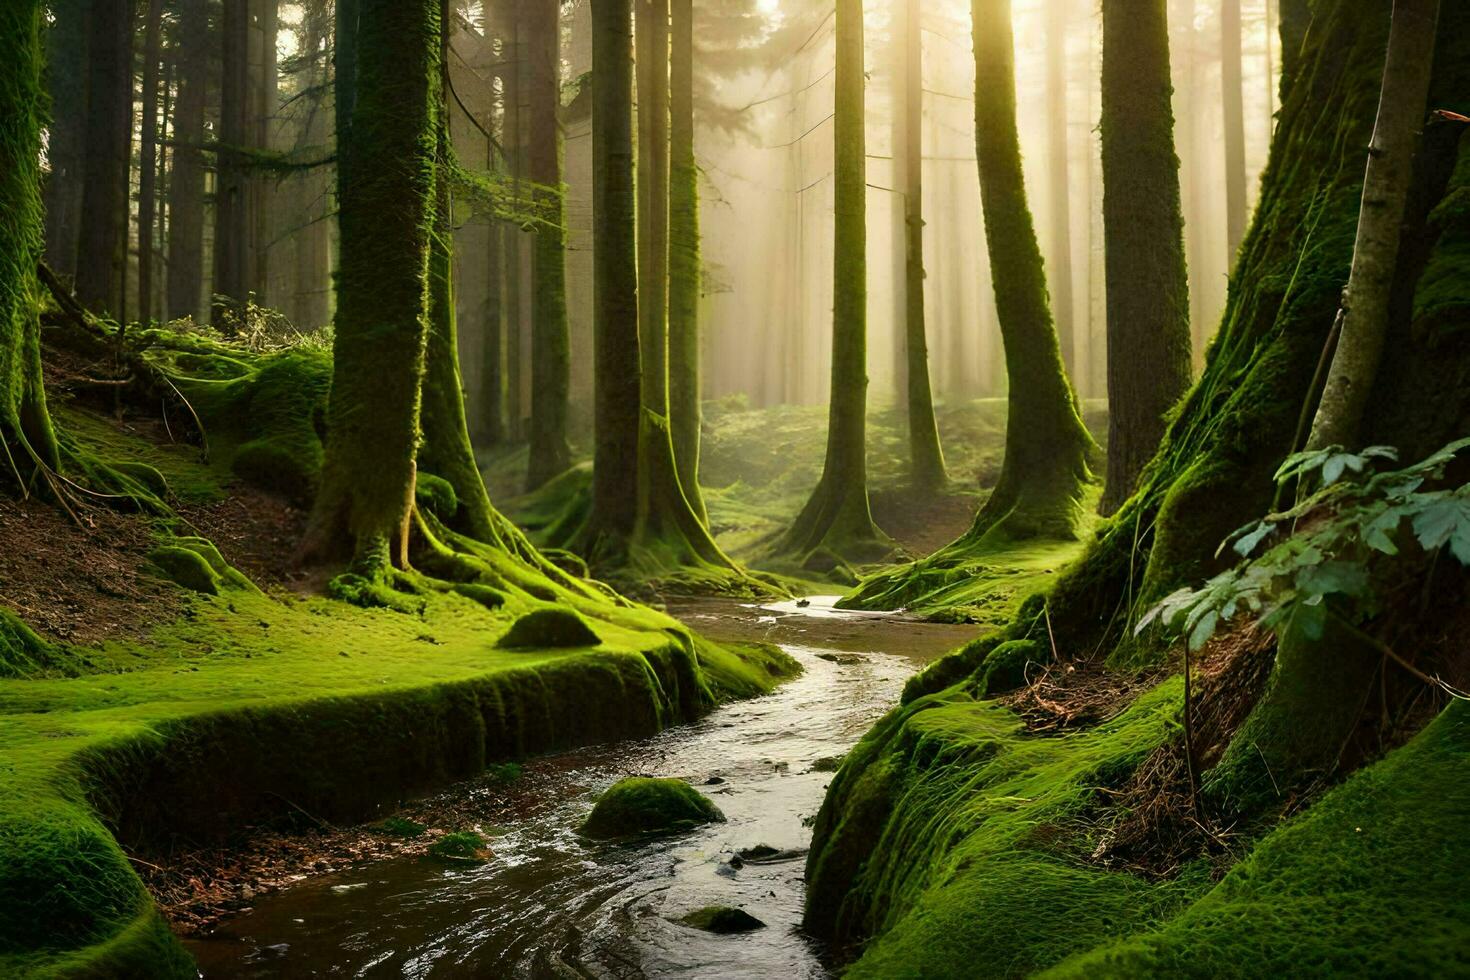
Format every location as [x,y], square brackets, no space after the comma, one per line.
[551,904]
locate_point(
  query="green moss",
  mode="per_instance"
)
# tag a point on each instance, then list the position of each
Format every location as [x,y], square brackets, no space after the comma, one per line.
[436,495]
[461,847]
[196,564]
[22,652]
[148,476]
[722,920]
[549,629]
[1010,664]
[638,806]
[400,827]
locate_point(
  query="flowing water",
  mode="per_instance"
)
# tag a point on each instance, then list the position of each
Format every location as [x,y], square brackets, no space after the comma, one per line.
[551,904]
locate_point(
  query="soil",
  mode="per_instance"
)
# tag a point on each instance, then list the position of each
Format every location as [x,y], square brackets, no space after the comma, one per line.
[256,531]
[923,521]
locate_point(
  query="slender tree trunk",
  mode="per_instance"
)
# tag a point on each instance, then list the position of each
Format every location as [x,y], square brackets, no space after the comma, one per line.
[25,425]
[262,186]
[1047,446]
[652,65]
[1149,343]
[186,180]
[102,255]
[1401,111]
[1059,184]
[148,159]
[67,42]
[615,273]
[551,364]
[312,241]
[492,344]
[684,260]
[231,204]
[513,139]
[388,60]
[836,522]
[926,458]
[1234,108]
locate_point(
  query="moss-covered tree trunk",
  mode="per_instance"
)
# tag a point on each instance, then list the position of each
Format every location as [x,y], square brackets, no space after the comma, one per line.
[836,520]
[1232,90]
[25,426]
[102,251]
[1047,447]
[66,143]
[386,186]
[1294,17]
[184,269]
[617,369]
[1365,312]
[684,258]
[551,356]
[1149,342]
[926,458]
[231,205]
[651,35]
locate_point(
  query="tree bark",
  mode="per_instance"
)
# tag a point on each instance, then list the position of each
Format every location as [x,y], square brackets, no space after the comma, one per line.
[1234,109]
[836,522]
[102,251]
[926,457]
[1047,447]
[618,396]
[513,139]
[386,186]
[262,186]
[185,267]
[26,434]
[231,205]
[551,364]
[67,42]
[651,35]
[684,260]
[1401,110]
[1149,343]
[148,159]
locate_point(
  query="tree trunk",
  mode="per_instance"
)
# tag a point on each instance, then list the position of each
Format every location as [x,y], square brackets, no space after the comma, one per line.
[102,253]
[231,204]
[513,139]
[1365,309]
[836,522]
[67,41]
[387,152]
[1059,186]
[492,342]
[1047,447]
[551,364]
[185,267]
[926,458]
[148,160]
[312,244]
[684,260]
[1294,16]
[262,186]
[1234,108]
[1149,344]
[617,397]
[651,36]
[25,425]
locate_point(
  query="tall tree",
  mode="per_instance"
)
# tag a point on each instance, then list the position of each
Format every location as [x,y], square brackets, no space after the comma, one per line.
[67,41]
[651,35]
[684,258]
[261,192]
[1059,190]
[513,139]
[388,54]
[1364,317]
[1294,16]
[837,519]
[926,458]
[25,425]
[1233,105]
[185,266]
[102,253]
[551,364]
[1047,446]
[231,205]
[1149,343]
[148,156]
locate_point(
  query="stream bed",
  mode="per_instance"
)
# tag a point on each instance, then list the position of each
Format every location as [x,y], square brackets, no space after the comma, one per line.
[551,904]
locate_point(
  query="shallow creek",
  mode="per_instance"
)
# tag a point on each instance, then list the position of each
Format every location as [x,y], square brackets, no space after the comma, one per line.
[550,904]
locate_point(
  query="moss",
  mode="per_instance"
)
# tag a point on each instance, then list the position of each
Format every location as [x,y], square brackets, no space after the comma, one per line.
[148,476]
[461,847]
[549,629]
[22,652]
[722,920]
[1009,665]
[436,495]
[196,564]
[276,466]
[639,806]
[400,827]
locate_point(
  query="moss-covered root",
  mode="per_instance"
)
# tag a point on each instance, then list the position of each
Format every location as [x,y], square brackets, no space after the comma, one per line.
[639,806]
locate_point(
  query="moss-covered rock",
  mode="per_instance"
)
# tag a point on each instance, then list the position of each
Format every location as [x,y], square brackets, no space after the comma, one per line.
[638,805]
[549,629]
[722,920]
[461,847]
[277,466]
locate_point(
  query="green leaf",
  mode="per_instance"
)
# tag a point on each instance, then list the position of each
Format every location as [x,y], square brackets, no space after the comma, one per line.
[1203,630]
[1248,542]
[1347,578]
[1440,519]
[1310,619]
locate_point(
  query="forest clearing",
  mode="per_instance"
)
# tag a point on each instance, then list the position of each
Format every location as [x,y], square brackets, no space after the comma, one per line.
[734,488]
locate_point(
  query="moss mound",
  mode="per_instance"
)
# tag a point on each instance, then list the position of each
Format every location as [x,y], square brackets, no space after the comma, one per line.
[461,847]
[196,564]
[722,920]
[640,806]
[551,629]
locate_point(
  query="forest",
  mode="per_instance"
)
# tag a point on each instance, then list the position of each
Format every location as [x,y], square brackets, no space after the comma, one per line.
[734,488]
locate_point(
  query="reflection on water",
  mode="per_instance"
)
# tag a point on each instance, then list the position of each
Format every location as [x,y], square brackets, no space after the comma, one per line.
[551,904]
